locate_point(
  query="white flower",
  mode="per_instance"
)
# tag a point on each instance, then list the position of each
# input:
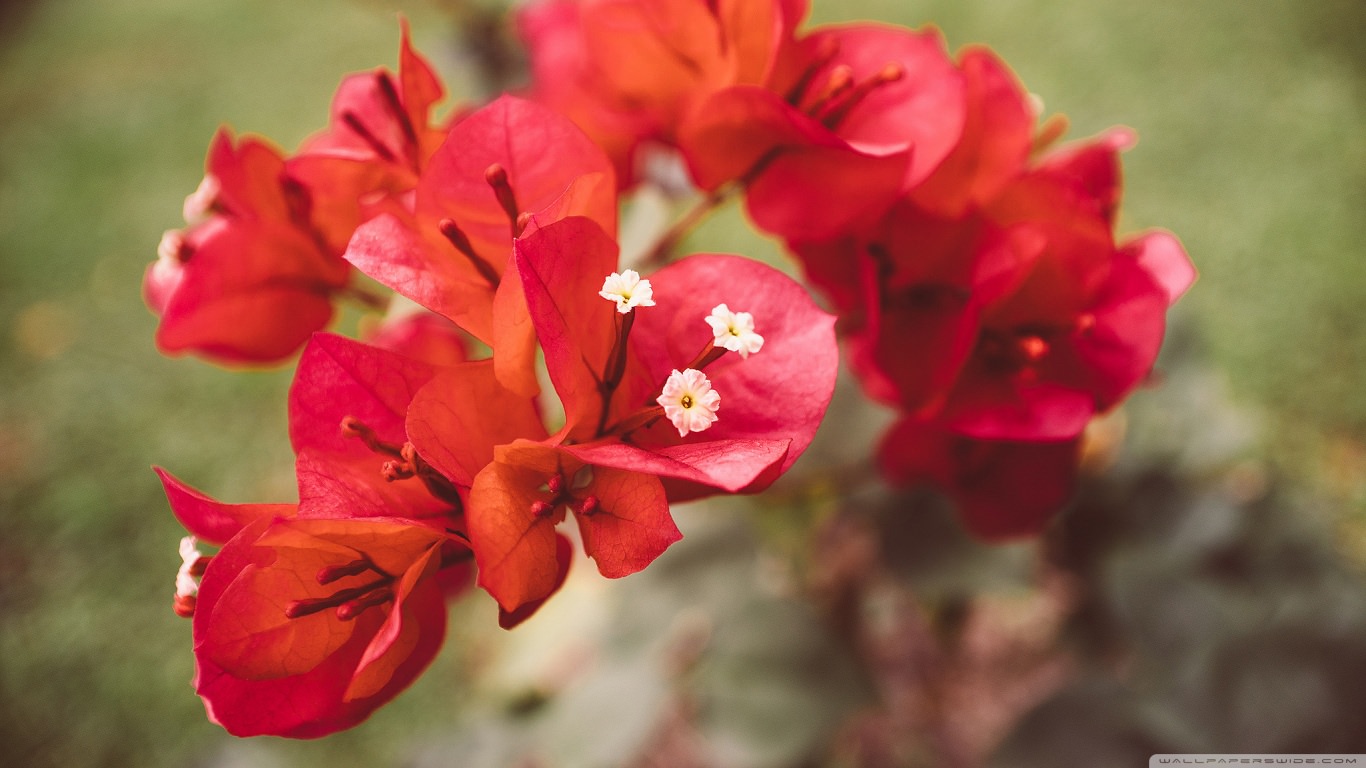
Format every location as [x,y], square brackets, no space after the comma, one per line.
[734,331]
[627,290]
[186,585]
[689,401]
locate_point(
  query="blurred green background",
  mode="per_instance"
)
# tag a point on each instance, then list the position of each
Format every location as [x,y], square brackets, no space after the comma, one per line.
[1240,500]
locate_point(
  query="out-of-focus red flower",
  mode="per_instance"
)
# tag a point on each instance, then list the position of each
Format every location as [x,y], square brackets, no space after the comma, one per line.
[1019,319]
[611,348]
[1082,325]
[504,170]
[250,279]
[257,269]
[854,116]
[993,307]
[1003,489]
[629,71]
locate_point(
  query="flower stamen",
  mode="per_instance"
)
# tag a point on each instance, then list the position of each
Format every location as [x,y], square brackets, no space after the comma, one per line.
[497,177]
[457,237]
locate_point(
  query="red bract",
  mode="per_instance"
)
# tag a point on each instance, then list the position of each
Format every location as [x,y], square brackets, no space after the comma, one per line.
[509,166]
[259,267]
[305,623]
[629,71]
[304,627]
[994,146]
[1018,320]
[1003,489]
[855,116]
[253,280]
[993,307]
[1083,326]
[607,461]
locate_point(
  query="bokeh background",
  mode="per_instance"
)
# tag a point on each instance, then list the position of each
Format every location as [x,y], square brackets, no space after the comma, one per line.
[1206,592]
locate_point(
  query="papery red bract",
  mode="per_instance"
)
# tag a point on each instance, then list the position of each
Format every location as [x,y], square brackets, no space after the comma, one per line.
[249,284]
[515,545]
[819,158]
[260,671]
[994,146]
[210,519]
[259,267]
[628,72]
[776,395]
[1003,489]
[552,169]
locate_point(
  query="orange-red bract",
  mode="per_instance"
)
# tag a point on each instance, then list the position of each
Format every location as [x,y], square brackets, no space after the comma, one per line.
[266,666]
[629,72]
[551,169]
[250,283]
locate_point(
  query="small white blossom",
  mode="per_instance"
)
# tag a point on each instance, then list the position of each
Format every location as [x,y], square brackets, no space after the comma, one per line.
[627,290]
[734,331]
[689,401]
[186,585]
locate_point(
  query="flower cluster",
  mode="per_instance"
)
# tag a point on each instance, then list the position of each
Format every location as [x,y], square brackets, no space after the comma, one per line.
[980,287]
[422,470]
[974,266]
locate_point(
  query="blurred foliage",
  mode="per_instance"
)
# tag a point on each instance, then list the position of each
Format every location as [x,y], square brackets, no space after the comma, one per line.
[1204,593]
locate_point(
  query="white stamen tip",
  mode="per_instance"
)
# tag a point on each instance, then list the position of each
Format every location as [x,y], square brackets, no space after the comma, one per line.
[186,585]
[689,401]
[734,331]
[627,290]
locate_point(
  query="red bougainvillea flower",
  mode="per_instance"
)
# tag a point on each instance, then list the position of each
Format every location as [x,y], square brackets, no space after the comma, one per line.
[251,278]
[629,71]
[304,624]
[1003,489]
[1020,319]
[614,346]
[1084,325]
[258,268]
[994,146]
[315,613]
[510,166]
[993,307]
[855,116]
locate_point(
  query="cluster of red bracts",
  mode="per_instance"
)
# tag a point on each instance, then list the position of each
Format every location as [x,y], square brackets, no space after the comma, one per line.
[980,287]
[418,467]
[975,271]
